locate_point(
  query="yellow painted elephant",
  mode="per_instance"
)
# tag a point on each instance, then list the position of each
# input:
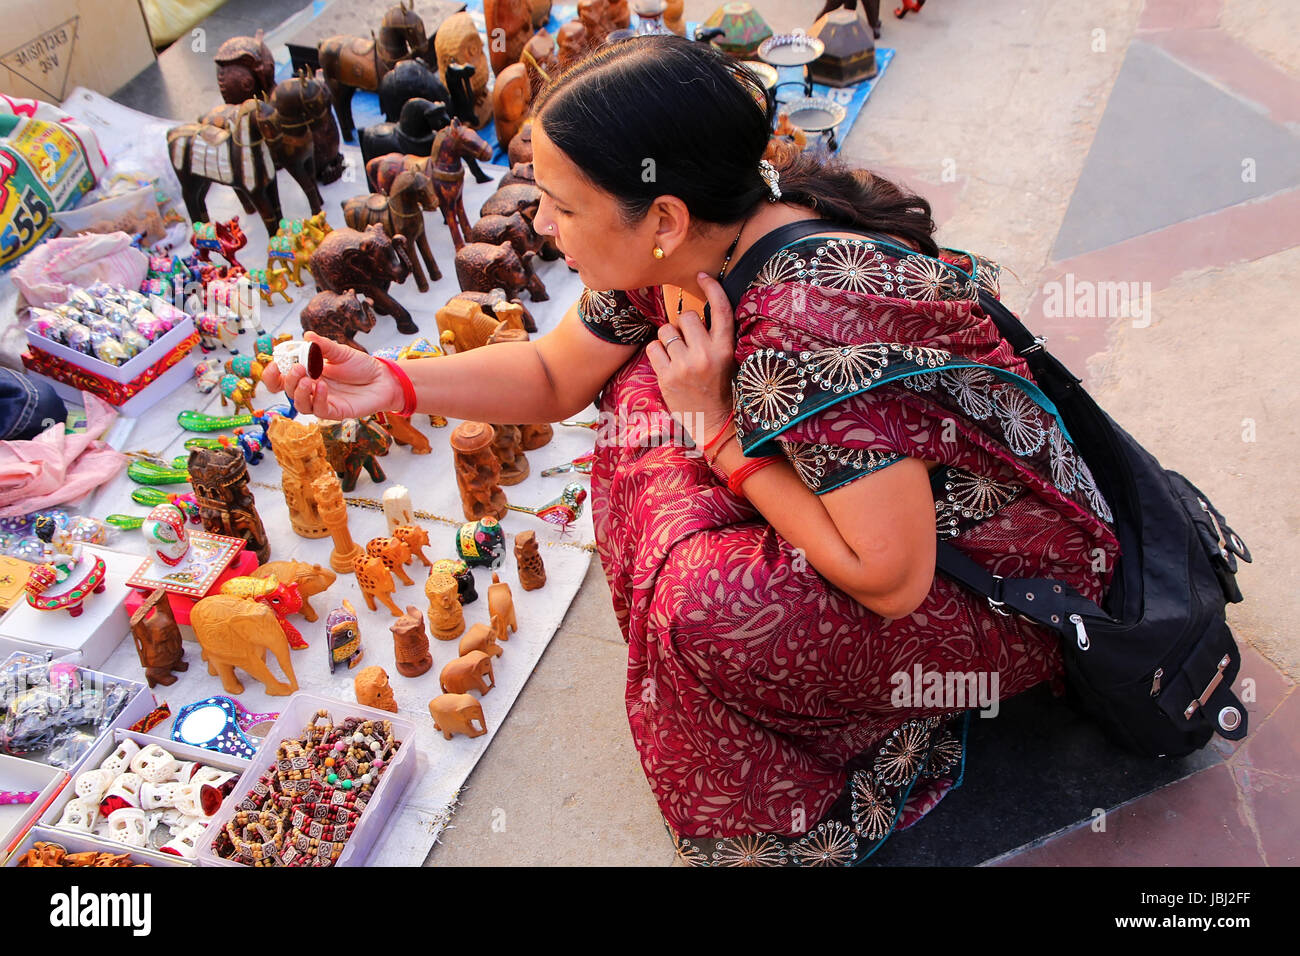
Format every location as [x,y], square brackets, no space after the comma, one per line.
[236,632]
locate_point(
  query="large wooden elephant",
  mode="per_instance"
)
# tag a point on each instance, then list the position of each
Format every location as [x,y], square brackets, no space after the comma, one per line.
[236,632]
[457,714]
[366,262]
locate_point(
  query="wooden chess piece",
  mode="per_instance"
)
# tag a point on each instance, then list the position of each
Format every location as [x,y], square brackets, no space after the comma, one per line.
[300,450]
[328,492]
[478,471]
[506,448]
[446,616]
[219,477]
[373,690]
[501,606]
[411,643]
[158,640]
[532,572]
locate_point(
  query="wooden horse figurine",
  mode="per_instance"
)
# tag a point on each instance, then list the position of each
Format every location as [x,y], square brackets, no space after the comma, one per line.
[401,212]
[291,146]
[353,63]
[454,143]
[238,157]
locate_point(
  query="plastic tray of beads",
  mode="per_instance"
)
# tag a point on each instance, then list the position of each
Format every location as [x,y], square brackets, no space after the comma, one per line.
[49,820]
[298,713]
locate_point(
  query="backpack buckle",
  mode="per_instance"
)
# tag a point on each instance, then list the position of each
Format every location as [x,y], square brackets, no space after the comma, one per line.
[994,603]
[1037,346]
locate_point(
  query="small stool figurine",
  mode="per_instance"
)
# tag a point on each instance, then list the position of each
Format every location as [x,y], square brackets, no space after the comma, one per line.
[411,643]
[343,637]
[446,617]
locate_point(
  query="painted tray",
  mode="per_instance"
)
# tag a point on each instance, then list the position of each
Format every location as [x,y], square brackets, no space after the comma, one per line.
[208,556]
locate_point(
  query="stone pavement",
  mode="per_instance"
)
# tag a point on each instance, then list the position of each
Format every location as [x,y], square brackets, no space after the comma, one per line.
[1152,143]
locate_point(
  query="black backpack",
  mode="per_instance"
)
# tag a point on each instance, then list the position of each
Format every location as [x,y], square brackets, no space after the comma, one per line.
[1154,666]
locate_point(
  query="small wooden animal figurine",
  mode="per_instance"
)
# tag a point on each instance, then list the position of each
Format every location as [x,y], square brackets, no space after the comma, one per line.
[454,143]
[338,316]
[413,133]
[478,472]
[373,690]
[404,433]
[283,599]
[216,330]
[158,640]
[238,392]
[457,714]
[535,435]
[395,555]
[366,262]
[481,543]
[223,238]
[376,582]
[397,508]
[409,80]
[482,267]
[343,637]
[235,632]
[501,607]
[411,643]
[310,578]
[480,637]
[446,617]
[333,511]
[352,445]
[415,538]
[471,672]
[510,24]
[532,572]
[401,212]
[245,68]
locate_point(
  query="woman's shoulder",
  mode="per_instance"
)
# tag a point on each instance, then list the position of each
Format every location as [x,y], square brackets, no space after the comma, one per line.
[625,317]
[880,266]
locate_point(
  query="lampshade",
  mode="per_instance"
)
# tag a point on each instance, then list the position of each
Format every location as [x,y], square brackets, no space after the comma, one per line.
[850,55]
[745,29]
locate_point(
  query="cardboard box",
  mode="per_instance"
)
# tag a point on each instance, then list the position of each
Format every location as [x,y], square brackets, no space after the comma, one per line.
[53,46]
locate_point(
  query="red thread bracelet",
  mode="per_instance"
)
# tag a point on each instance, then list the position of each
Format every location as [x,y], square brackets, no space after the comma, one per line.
[749,468]
[408,387]
[714,440]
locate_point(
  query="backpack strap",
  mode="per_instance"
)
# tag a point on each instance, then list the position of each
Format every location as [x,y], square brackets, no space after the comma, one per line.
[756,256]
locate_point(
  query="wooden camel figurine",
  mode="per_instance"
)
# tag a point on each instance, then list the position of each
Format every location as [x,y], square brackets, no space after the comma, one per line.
[401,212]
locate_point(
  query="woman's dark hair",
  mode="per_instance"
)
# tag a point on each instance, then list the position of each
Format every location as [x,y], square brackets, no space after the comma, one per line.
[654,115]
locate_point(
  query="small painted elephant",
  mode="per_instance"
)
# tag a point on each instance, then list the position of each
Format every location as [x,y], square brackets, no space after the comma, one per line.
[457,714]
[310,578]
[471,672]
[482,267]
[354,444]
[338,316]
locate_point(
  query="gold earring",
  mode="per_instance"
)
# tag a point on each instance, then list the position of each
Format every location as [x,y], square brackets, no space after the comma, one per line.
[659,253]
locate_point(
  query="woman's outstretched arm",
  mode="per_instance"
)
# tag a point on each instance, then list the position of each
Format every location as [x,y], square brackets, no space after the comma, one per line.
[545,380]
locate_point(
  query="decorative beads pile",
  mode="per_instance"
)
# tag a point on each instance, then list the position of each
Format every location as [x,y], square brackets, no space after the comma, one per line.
[315,793]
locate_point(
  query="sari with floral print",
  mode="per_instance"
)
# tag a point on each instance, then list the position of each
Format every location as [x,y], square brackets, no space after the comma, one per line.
[779,721]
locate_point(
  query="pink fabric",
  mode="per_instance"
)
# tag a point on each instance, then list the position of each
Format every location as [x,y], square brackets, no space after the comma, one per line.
[55,467]
[46,274]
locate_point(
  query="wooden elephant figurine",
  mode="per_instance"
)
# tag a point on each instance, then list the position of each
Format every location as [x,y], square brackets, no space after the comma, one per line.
[480,637]
[482,267]
[375,581]
[471,672]
[415,538]
[501,607]
[236,632]
[513,228]
[409,80]
[338,316]
[457,714]
[395,555]
[310,578]
[401,212]
[355,444]
[367,262]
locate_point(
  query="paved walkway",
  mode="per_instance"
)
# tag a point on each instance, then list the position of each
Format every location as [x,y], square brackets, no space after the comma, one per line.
[1078,144]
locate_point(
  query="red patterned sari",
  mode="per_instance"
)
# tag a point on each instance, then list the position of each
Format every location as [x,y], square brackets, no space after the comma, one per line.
[778,721]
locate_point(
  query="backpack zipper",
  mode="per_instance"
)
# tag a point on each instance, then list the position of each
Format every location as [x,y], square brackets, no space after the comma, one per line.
[1155,681]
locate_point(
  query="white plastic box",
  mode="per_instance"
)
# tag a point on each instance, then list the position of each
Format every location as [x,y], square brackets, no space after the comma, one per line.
[105,746]
[297,714]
